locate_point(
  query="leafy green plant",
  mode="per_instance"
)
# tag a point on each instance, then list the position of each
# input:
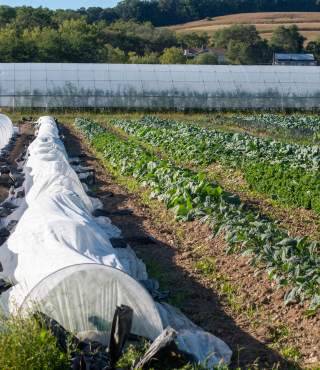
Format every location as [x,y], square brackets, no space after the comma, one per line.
[131,354]
[294,125]
[286,184]
[287,172]
[291,262]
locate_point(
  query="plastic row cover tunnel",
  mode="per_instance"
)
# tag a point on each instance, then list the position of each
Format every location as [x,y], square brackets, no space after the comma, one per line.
[60,260]
[6,130]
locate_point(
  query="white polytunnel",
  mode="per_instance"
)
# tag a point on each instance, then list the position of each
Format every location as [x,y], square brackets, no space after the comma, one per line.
[158,86]
[61,262]
[6,130]
[103,288]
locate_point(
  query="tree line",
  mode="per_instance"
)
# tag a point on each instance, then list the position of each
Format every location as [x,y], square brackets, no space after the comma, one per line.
[41,35]
[168,12]
[158,12]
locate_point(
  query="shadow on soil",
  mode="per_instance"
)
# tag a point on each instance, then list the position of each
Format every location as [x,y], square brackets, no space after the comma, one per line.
[199,303]
[19,145]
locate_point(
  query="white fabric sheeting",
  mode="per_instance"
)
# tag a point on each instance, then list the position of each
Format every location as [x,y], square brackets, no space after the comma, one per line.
[6,130]
[61,259]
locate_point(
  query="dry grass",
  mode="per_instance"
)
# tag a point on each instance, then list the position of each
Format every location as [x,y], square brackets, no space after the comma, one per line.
[307,22]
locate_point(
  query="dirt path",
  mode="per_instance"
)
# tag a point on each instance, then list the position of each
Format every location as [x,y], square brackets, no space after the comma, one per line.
[20,144]
[227,298]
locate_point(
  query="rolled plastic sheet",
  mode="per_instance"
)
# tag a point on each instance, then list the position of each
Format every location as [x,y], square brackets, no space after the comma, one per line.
[6,130]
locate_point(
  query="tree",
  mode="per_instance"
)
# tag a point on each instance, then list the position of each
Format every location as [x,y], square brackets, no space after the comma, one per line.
[137,10]
[147,58]
[80,42]
[158,12]
[193,40]
[246,53]
[236,33]
[7,14]
[139,37]
[169,12]
[28,17]
[172,56]
[287,39]
[313,47]
[9,44]
[61,15]
[47,43]
[243,45]
[108,15]
[15,46]
[75,40]
[205,58]
[92,14]
[113,55]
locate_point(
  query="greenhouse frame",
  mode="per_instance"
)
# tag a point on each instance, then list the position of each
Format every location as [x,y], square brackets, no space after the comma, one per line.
[58,85]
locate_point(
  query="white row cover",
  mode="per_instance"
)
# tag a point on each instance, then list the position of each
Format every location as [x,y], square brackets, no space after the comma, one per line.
[62,263]
[6,130]
[158,86]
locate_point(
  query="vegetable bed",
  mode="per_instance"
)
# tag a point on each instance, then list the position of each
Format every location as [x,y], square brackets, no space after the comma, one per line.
[293,263]
[295,125]
[288,173]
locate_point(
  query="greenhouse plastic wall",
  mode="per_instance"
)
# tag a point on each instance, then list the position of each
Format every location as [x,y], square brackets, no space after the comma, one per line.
[55,85]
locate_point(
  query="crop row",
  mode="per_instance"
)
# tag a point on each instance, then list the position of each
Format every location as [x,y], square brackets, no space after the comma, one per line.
[301,124]
[230,147]
[286,172]
[293,263]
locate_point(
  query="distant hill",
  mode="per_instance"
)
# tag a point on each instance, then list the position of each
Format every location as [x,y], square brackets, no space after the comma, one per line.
[160,12]
[307,22]
[170,12]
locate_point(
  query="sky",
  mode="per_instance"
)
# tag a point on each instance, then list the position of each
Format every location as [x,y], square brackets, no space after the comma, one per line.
[61,4]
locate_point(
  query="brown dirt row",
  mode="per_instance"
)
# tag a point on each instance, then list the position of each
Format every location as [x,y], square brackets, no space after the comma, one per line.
[234,302]
[21,142]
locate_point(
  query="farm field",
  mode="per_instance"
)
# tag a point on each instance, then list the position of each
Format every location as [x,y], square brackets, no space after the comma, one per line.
[231,202]
[307,22]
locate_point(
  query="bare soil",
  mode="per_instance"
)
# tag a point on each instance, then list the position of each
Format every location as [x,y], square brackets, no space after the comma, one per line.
[20,144]
[258,326]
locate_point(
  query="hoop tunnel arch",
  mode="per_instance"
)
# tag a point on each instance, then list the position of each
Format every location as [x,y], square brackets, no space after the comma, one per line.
[62,262]
[83,299]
